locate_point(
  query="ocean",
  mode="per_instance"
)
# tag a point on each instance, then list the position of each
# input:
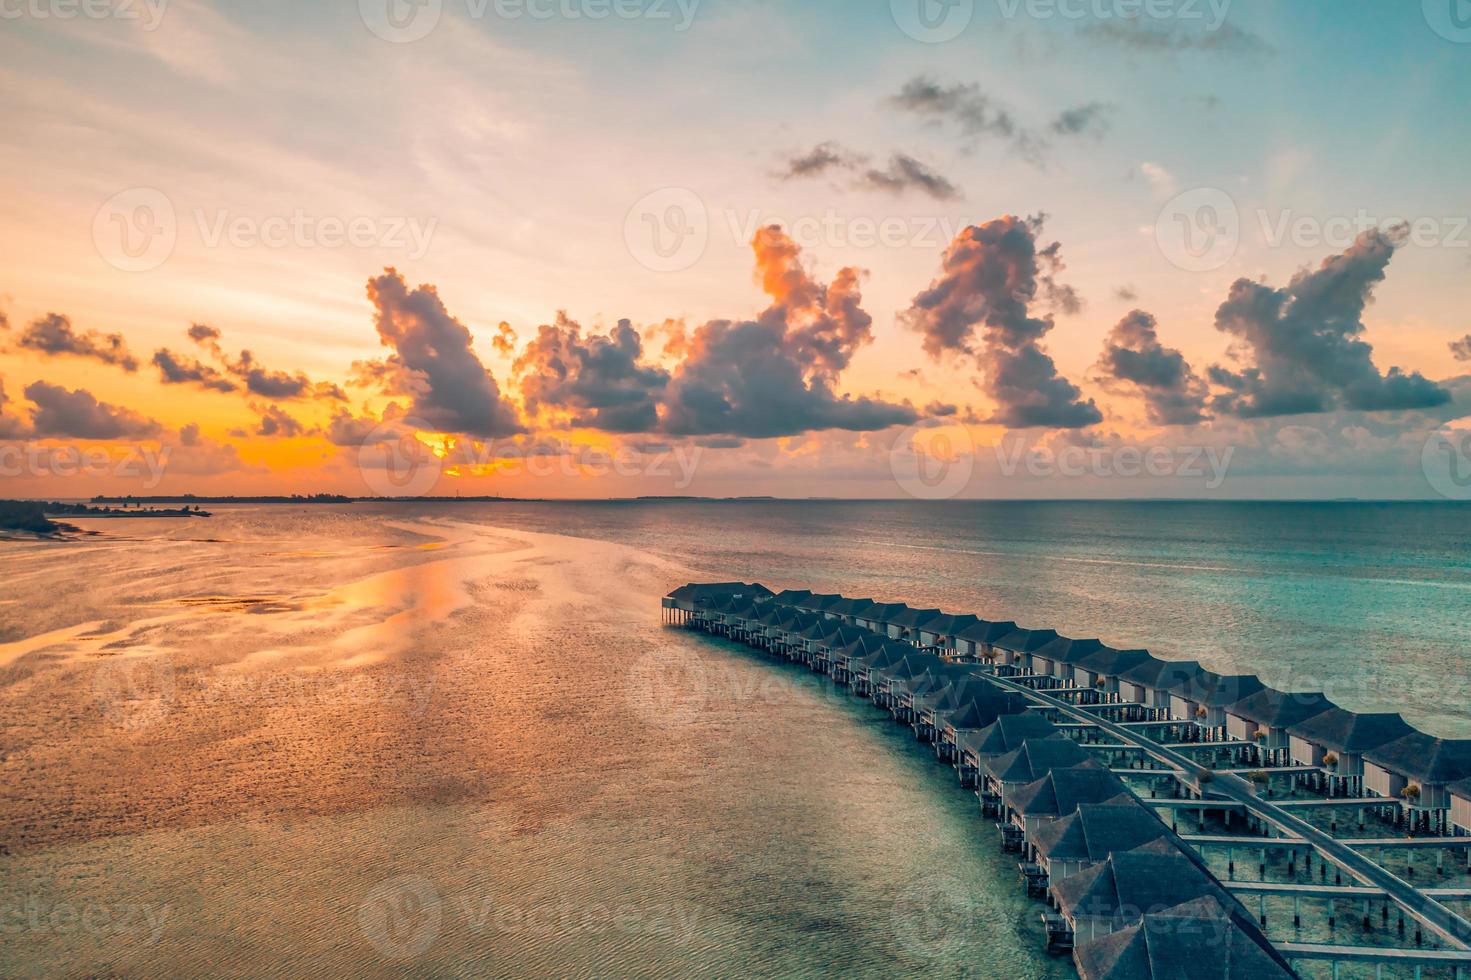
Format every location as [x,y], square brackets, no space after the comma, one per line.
[453,739]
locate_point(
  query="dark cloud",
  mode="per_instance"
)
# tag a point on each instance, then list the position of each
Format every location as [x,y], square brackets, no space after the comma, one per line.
[434,362]
[1461,349]
[601,381]
[178,369]
[202,333]
[776,375]
[819,160]
[267,383]
[1126,294]
[941,410]
[276,422]
[1173,393]
[976,115]
[903,173]
[1175,37]
[54,336]
[1091,119]
[991,277]
[76,414]
[1301,344]
[906,173]
[720,442]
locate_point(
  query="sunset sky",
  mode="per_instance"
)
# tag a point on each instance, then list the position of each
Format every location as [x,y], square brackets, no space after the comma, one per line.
[246,242]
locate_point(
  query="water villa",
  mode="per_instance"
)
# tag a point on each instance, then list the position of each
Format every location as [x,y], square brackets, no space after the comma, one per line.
[1090,758]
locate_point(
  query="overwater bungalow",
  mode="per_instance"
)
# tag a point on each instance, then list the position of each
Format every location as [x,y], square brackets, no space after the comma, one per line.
[1129,885]
[976,643]
[1461,807]
[820,604]
[1105,665]
[1056,657]
[688,604]
[791,597]
[1419,770]
[1203,698]
[864,672]
[866,644]
[1264,718]
[1337,739]
[1005,734]
[942,633]
[1015,648]
[886,679]
[1059,793]
[840,636]
[1148,683]
[908,624]
[908,693]
[973,716]
[848,610]
[1201,940]
[1090,834]
[876,617]
[1029,762]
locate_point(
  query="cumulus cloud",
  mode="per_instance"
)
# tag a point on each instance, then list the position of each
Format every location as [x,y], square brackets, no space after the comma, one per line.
[775,375]
[434,362]
[505,339]
[76,414]
[601,381]
[11,427]
[981,306]
[1301,345]
[274,422]
[903,172]
[179,369]
[267,383]
[1173,393]
[54,336]
[1461,349]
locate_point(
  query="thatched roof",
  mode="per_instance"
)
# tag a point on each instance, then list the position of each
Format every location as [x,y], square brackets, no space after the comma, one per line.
[1096,830]
[1035,758]
[1006,734]
[1131,884]
[1062,791]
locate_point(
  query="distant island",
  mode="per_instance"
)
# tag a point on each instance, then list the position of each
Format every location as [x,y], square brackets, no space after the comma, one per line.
[34,516]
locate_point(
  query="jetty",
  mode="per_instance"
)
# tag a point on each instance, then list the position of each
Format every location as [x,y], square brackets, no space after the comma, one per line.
[1167,820]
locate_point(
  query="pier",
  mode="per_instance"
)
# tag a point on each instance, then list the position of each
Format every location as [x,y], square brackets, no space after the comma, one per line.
[1076,750]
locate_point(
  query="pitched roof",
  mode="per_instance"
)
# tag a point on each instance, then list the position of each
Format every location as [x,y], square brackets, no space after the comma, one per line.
[950,624]
[1113,662]
[710,591]
[915,618]
[1035,758]
[789,597]
[1348,731]
[1462,789]
[982,712]
[1064,650]
[1062,791]
[1024,640]
[986,631]
[1096,830]
[1006,733]
[1130,884]
[880,612]
[850,607]
[1201,939]
[818,602]
[1279,709]
[1155,672]
[1425,758]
